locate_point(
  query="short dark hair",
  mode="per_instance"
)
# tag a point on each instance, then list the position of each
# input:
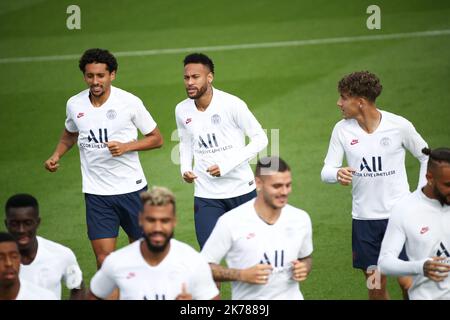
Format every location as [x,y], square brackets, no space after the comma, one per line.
[437,156]
[199,58]
[21,200]
[361,84]
[6,237]
[97,55]
[272,164]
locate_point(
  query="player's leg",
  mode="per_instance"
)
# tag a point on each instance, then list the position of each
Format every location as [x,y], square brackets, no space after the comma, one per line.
[206,214]
[366,243]
[128,206]
[102,224]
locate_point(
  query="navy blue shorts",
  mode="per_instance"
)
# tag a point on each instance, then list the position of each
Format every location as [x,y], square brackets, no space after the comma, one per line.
[208,211]
[104,215]
[367,236]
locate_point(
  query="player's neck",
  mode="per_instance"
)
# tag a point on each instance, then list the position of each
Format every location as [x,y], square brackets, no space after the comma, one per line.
[204,101]
[369,119]
[10,292]
[267,213]
[153,258]
[28,255]
[428,192]
[99,101]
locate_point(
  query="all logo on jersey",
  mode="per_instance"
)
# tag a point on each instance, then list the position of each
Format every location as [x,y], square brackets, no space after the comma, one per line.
[277,259]
[111,114]
[101,137]
[371,166]
[157,297]
[442,251]
[208,141]
[215,119]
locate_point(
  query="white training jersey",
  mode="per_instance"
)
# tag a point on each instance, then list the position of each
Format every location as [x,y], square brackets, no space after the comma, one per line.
[380,179]
[127,270]
[30,291]
[53,263]
[217,136]
[423,226]
[116,120]
[245,240]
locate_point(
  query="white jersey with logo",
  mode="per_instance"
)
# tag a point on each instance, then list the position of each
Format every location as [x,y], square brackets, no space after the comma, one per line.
[245,240]
[423,226]
[217,136]
[127,270]
[53,263]
[116,120]
[30,291]
[380,179]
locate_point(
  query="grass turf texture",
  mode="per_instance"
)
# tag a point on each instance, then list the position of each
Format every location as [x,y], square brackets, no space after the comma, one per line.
[292,89]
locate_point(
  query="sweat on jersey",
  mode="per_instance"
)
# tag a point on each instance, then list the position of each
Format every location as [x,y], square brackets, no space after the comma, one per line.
[116,120]
[423,226]
[53,263]
[245,240]
[127,270]
[380,179]
[217,136]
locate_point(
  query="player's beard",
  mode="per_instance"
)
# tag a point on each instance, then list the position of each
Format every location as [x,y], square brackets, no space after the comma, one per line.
[443,199]
[160,248]
[200,92]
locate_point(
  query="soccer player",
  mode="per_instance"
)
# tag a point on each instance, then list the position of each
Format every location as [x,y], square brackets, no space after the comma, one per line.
[266,242]
[373,142]
[421,223]
[156,267]
[104,120]
[11,286]
[44,263]
[212,126]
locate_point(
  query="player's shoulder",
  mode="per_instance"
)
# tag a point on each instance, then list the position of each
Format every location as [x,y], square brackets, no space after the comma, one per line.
[184,248]
[395,119]
[78,98]
[55,248]
[124,95]
[402,207]
[31,291]
[296,214]
[228,98]
[183,106]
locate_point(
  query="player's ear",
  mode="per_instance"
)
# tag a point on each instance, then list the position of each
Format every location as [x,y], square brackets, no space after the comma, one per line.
[259,183]
[210,77]
[113,75]
[429,176]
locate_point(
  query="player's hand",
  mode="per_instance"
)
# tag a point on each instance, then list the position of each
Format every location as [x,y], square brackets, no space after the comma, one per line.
[345,175]
[184,295]
[52,163]
[189,176]
[435,269]
[300,270]
[117,148]
[214,170]
[258,274]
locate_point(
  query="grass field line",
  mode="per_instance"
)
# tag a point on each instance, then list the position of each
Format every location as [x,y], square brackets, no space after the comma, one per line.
[262,45]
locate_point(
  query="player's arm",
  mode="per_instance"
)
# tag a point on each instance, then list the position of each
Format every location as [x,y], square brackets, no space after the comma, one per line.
[151,140]
[332,171]
[391,246]
[79,293]
[414,143]
[66,142]
[258,274]
[247,122]
[301,268]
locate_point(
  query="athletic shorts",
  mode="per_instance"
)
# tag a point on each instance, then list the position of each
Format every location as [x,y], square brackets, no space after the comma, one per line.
[208,211]
[367,236]
[105,214]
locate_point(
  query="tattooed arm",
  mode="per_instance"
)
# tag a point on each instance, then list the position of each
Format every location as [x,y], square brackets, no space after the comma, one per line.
[258,274]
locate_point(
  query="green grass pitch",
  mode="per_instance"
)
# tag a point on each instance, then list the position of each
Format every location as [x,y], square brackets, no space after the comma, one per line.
[290,88]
